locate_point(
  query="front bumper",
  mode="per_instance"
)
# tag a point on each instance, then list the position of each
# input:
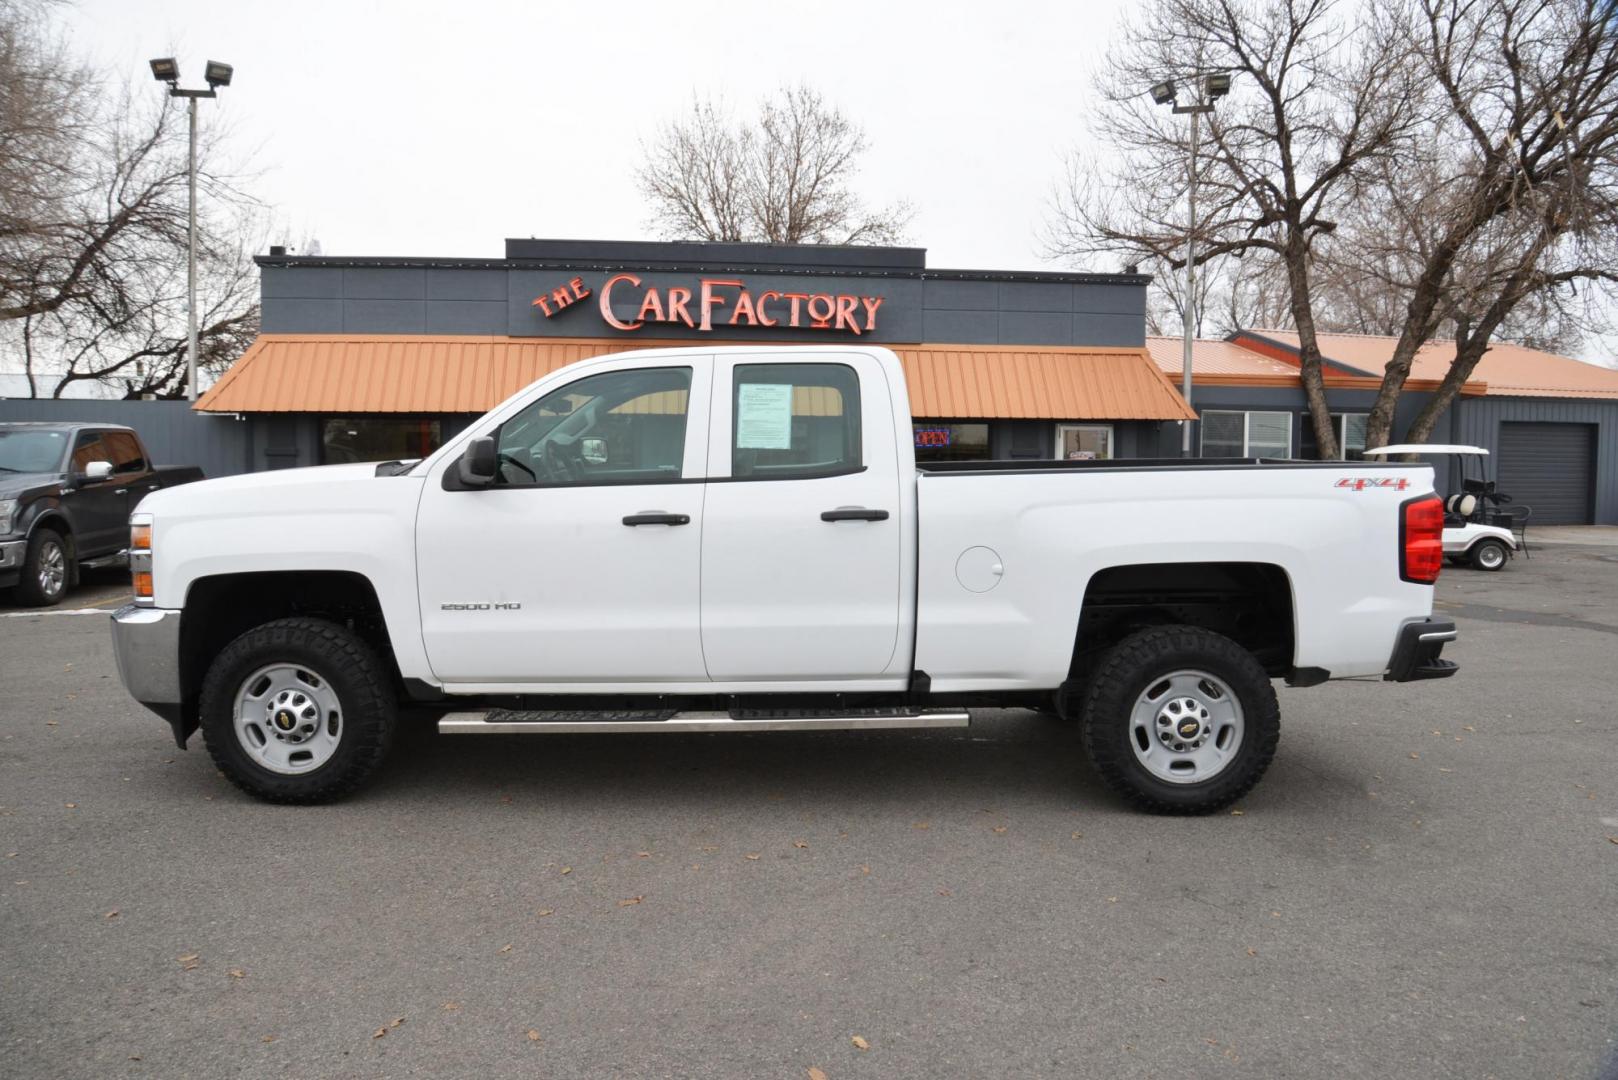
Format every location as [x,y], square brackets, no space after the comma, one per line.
[1415,655]
[13,553]
[146,644]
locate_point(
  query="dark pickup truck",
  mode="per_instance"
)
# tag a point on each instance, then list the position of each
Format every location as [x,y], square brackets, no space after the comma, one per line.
[66,493]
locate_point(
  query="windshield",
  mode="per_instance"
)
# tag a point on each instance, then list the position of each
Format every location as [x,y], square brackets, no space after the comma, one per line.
[32,450]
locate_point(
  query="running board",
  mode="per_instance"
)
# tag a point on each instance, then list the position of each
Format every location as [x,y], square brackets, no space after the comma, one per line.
[502,722]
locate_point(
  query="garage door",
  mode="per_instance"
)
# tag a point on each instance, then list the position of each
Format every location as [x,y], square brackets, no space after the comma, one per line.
[1549,467]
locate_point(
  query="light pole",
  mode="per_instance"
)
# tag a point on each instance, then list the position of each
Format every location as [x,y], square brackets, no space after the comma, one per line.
[1214,86]
[216,74]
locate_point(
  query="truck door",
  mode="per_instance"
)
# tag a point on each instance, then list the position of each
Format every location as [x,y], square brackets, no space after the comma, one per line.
[579,568]
[99,509]
[801,561]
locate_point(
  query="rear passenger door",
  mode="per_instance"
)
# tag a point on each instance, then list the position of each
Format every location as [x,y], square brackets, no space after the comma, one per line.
[800,541]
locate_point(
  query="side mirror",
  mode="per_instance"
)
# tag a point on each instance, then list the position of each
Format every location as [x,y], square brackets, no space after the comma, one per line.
[98,470]
[593,451]
[478,465]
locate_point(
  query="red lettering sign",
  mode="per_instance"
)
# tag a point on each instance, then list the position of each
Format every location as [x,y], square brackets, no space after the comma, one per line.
[705,308]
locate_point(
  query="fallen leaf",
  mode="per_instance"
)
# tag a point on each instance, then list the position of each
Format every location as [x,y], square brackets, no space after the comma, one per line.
[816,1074]
[505,948]
[1112,899]
[397,1020]
[533,1036]
[379,1032]
[1414,755]
[188,958]
[945,892]
[710,848]
[1237,813]
[236,973]
[644,854]
[630,902]
[1252,952]
[113,914]
[50,723]
[755,856]
[71,805]
[865,869]
[999,828]
[567,869]
[922,825]
[800,843]
[1442,769]
[267,1038]
[860,1043]
[546,911]
[1078,836]
[1612,839]
[451,1006]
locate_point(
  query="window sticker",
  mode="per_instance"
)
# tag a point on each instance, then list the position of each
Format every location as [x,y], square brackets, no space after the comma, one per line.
[764,416]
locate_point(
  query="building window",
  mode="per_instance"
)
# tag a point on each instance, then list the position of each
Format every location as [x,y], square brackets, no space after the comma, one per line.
[1246,434]
[346,439]
[1084,442]
[1350,428]
[944,441]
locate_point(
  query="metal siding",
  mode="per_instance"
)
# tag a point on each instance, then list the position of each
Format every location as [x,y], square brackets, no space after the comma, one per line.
[172,432]
[1478,420]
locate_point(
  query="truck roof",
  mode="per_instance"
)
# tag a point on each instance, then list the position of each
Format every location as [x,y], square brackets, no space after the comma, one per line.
[62,425]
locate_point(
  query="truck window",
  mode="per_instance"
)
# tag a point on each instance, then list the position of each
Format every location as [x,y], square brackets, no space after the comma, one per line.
[126,456]
[619,427]
[791,421]
[87,448]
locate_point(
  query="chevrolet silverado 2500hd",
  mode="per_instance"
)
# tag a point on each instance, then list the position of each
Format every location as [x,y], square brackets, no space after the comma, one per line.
[739,539]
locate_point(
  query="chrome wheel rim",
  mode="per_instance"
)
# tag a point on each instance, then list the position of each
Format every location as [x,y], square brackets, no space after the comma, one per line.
[288,718]
[1491,555]
[1186,727]
[52,568]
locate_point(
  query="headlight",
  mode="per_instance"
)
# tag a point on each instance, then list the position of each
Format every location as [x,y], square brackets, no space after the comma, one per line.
[8,510]
[140,556]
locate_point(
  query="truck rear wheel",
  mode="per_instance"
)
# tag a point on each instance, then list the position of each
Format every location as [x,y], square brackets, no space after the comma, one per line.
[298,711]
[1180,720]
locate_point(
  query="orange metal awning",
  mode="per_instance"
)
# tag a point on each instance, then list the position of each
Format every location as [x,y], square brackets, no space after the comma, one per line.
[389,373]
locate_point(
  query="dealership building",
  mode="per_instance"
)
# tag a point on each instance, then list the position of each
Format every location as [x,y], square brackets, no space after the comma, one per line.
[373,358]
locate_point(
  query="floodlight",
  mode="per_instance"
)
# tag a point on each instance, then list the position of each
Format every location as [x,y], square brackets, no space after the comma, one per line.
[166,69]
[1218,85]
[1163,92]
[218,74]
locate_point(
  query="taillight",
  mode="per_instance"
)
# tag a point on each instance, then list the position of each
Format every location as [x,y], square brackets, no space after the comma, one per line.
[1421,540]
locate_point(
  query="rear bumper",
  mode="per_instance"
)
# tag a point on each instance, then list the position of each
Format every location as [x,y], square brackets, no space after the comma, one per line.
[146,644]
[1416,654]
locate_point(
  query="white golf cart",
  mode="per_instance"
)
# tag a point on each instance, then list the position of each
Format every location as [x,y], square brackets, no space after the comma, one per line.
[1477,532]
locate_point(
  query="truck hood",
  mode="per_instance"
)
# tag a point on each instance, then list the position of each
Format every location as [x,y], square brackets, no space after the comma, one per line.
[16,485]
[279,486]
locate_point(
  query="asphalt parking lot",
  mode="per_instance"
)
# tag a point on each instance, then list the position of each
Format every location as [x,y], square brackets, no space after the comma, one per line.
[1423,886]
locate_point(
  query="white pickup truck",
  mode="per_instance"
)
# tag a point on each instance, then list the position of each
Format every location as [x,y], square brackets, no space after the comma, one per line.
[739,539]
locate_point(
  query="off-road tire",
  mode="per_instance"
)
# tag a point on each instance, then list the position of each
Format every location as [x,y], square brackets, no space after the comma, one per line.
[29,592]
[360,679]
[1478,557]
[1128,669]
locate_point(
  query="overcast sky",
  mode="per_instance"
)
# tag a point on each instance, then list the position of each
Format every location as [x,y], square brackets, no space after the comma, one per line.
[409,128]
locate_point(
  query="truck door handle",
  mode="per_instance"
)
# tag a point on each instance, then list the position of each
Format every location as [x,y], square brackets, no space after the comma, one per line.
[121,491]
[853,513]
[657,517]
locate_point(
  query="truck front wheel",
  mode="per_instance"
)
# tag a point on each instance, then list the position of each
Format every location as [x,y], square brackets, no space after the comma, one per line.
[1180,720]
[297,711]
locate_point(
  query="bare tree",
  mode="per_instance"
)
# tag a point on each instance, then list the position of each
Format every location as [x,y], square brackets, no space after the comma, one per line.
[93,225]
[1317,99]
[1523,198]
[783,178]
